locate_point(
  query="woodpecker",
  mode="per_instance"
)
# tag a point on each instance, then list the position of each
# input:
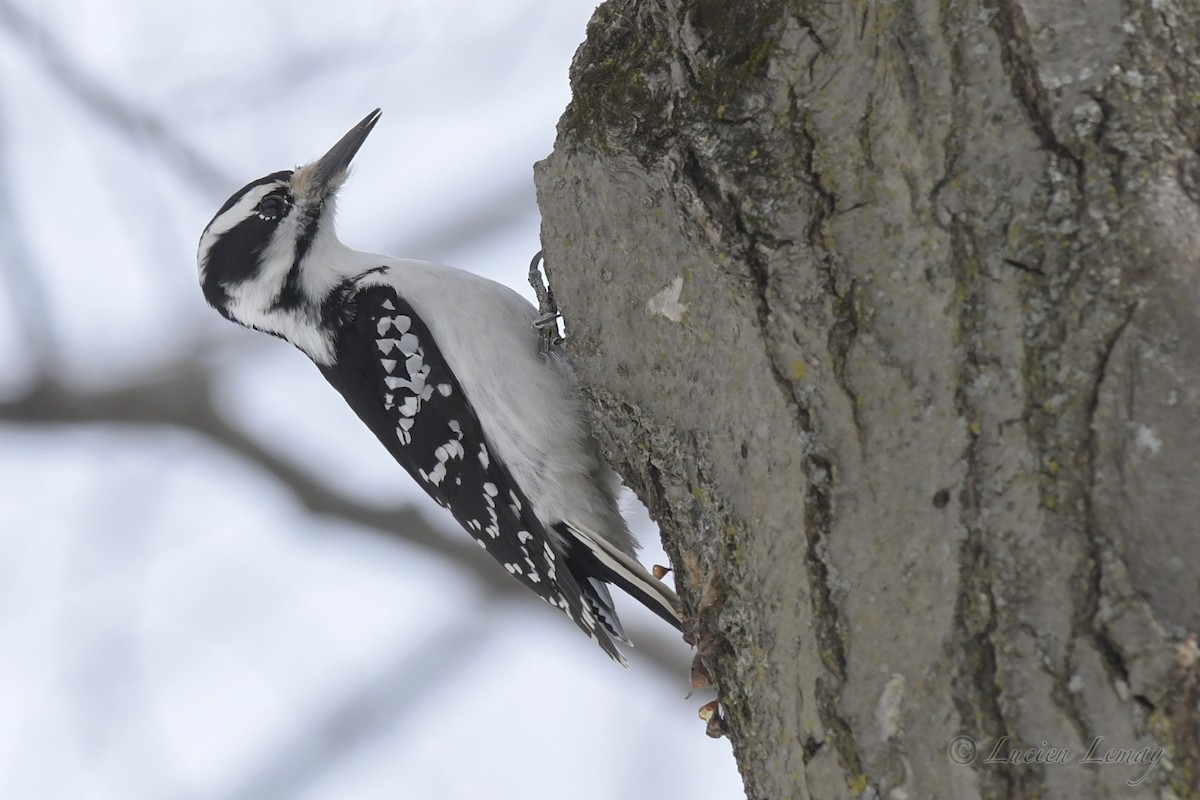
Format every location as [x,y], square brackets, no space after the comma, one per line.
[447,370]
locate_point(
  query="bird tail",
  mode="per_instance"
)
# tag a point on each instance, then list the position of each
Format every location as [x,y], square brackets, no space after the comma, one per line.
[606,562]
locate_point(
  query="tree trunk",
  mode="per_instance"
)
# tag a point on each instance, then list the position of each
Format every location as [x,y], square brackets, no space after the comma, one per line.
[889,312]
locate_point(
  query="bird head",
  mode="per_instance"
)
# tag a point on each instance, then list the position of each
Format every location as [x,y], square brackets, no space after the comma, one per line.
[269,258]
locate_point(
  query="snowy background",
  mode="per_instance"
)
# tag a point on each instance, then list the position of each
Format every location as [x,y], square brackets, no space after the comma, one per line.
[213,582]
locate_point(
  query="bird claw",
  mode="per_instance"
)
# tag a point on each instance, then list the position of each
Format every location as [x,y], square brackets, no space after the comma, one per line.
[547,323]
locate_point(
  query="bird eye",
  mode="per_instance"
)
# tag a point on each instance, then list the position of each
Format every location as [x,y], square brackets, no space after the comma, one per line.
[271,207]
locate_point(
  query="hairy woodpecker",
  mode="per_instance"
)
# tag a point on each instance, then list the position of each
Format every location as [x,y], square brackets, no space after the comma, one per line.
[446,369]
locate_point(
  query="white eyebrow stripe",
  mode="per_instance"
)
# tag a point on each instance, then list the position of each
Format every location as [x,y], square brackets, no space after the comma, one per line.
[233,215]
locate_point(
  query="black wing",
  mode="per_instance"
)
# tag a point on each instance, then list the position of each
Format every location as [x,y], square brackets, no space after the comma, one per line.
[390,371]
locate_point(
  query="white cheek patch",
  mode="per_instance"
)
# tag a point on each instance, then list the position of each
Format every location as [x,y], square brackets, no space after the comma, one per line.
[253,303]
[253,300]
[281,252]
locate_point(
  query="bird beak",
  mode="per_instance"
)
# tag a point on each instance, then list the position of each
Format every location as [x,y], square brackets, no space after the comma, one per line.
[326,174]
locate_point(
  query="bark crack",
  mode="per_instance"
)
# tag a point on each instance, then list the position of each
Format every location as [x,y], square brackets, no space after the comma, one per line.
[976,688]
[1088,615]
[739,235]
[747,243]
[842,335]
[818,517]
[1019,62]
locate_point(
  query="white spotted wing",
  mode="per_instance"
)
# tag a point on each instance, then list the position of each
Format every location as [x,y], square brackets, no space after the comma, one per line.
[390,371]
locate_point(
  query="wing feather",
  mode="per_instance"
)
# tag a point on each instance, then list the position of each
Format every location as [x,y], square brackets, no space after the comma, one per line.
[389,369]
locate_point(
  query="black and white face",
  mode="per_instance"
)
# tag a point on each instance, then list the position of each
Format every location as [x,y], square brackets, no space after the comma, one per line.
[270,257]
[249,234]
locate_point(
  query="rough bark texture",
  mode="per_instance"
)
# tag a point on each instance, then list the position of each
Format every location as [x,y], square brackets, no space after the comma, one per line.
[889,312]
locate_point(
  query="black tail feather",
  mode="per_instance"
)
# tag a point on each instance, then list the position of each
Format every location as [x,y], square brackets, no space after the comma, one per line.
[591,556]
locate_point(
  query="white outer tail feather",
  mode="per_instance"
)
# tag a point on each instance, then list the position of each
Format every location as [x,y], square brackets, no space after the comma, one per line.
[628,568]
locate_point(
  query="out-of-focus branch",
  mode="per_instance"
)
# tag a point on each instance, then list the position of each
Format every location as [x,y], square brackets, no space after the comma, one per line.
[27,295]
[501,208]
[134,124]
[388,699]
[181,396]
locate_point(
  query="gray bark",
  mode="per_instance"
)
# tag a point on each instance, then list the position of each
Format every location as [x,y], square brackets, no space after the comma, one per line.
[889,313]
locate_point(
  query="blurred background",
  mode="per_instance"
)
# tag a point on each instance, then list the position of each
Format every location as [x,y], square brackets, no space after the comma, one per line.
[214,583]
